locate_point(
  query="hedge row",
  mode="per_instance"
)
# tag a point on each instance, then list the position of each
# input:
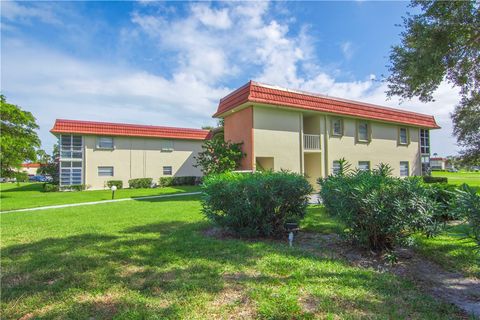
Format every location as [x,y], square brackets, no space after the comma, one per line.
[429,179]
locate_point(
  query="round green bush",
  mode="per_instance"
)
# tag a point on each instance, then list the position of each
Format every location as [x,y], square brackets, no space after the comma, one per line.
[255,204]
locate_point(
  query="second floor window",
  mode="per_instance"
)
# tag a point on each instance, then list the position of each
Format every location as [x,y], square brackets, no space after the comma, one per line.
[105,143]
[337,127]
[402,136]
[424,141]
[363,132]
[71,146]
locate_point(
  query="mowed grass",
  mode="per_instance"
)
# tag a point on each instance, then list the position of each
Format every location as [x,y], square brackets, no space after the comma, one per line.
[461,177]
[452,249]
[151,260]
[30,195]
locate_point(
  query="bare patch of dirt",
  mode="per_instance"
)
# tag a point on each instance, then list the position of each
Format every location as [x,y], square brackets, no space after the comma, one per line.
[232,303]
[105,305]
[308,303]
[453,287]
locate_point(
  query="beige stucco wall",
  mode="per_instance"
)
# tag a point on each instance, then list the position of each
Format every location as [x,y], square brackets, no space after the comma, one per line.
[383,147]
[138,158]
[29,170]
[277,133]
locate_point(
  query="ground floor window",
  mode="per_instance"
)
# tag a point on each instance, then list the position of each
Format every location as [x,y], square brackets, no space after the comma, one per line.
[425,164]
[167,170]
[404,169]
[364,165]
[336,167]
[105,171]
[70,173]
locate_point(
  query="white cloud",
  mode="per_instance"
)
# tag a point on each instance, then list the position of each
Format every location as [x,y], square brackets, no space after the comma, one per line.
[53,85]
[13,11]
[212,18]
[347,49]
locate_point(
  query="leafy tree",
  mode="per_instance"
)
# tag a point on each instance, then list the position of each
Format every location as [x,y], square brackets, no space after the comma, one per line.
[442,43]
[18,137]
[219,156]
[49,164]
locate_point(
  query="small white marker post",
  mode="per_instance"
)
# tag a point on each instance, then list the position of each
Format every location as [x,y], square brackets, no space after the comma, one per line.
[114,188]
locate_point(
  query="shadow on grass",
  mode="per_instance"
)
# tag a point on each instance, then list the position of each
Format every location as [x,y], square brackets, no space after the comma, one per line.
[172,261]
[28,187]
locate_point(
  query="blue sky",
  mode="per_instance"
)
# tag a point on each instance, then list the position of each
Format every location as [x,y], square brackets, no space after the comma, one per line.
[168,63]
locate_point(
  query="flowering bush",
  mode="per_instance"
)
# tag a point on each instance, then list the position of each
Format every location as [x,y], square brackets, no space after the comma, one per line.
[219,156]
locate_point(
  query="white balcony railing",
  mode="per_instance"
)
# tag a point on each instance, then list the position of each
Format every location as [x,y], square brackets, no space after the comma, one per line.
[311,142]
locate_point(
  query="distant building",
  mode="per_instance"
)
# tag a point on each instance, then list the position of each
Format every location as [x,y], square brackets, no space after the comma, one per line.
[30,168]
[92,153]
[438,163]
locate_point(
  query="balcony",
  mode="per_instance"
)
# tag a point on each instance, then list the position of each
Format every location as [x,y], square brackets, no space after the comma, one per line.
[311,142]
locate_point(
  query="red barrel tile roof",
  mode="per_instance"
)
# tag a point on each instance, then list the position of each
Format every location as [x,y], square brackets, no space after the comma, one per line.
[31,165]
[265,94]
[128,130]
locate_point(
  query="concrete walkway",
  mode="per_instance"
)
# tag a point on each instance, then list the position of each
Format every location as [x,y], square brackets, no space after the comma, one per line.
[103,201]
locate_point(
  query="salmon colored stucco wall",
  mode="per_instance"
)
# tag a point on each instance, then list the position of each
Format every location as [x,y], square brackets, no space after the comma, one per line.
[239,128]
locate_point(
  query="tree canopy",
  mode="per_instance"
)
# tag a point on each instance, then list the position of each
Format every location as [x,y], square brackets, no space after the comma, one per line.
[440,43]
[19,140]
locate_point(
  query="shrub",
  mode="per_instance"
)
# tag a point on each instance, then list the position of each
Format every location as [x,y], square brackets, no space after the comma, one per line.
[445,196]
[257,204]
[219,156]
[184,181]
[74,187]
[379,211]
[116,183]
[429,179]
[140,183]
[165,181]
[49,187]
[468,207]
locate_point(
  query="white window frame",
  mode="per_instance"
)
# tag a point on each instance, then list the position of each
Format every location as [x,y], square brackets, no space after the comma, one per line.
[99,168]
[368,133]
[165,168]
[340,122]
[99,143]
[167,146]
[407,136]
[335,167]
[402,170]
[360,163]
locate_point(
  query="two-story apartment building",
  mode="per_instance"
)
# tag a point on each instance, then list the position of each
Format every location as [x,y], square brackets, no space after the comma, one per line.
[92,153]
[280,129]
[308,133]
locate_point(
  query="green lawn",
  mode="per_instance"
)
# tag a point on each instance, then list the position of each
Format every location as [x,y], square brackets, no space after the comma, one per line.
[30,195]
[453,250]
[151,260]
[458,178]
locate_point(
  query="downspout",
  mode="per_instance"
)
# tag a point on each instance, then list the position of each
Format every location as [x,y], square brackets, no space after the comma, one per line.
[325,148]
[302,156]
